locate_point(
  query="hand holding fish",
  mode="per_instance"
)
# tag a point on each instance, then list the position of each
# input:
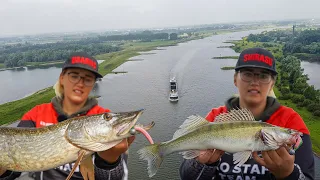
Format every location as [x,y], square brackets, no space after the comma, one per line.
[113,154]
[279,162]
[209,156]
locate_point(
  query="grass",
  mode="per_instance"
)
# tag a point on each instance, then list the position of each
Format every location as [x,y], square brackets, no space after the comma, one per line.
[115,59]
[43,63]
[226,57]
[2,65]
[227,68]
[14,110]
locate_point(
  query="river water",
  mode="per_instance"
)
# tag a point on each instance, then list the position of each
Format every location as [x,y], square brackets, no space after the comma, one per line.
[202,85]
[312,69]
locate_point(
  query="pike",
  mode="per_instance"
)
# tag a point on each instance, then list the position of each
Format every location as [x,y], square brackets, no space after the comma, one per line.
[235,132]
[40,149]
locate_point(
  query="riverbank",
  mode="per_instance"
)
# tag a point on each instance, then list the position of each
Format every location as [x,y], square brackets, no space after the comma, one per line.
[226,57]
[32,65]
[311,121]
[12,111]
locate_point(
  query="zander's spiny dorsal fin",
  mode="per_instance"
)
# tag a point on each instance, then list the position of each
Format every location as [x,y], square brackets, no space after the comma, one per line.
[235,115]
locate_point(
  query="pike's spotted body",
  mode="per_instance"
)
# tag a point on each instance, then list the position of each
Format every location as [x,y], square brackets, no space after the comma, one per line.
[39,149]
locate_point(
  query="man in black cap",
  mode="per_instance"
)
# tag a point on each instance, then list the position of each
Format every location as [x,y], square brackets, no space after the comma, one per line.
[255,76]
[78,76]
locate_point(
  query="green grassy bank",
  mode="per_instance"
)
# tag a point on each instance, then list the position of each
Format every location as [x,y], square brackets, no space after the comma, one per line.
[226,57]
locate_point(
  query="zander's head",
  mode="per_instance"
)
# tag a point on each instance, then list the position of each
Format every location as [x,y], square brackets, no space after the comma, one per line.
[277,136]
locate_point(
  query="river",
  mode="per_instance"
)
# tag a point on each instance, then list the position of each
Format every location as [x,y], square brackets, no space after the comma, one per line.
[202,85]
[312,69]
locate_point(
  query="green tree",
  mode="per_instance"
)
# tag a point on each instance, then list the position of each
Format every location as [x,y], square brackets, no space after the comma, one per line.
[173,36]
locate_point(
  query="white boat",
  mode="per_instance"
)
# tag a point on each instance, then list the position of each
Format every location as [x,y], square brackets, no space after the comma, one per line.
[173,96]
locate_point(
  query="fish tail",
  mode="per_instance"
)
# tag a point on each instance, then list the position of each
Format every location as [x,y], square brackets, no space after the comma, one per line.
[153,155]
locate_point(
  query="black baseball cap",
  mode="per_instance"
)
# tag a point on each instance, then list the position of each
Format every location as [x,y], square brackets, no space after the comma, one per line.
[256,58]
[84,61]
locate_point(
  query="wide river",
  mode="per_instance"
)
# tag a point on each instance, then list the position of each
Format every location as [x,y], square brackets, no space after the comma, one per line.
[202,85]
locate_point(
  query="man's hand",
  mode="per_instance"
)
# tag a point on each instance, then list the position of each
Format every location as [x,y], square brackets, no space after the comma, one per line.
[209,156]
[112,155]
[279,162]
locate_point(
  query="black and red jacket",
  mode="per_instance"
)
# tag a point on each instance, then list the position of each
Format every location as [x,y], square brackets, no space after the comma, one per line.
[52,113]
[275,114]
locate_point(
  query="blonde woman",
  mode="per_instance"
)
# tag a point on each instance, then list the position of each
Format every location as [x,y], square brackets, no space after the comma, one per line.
[255,76]
[76,80]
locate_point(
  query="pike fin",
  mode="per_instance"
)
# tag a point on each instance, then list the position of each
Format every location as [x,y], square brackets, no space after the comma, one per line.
[240,158]
[190,154]
[235,115]
[154,156]
[191,123]
[80,156]
[87,168]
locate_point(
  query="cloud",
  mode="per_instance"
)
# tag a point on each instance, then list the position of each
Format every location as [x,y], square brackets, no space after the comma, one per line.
[38,16]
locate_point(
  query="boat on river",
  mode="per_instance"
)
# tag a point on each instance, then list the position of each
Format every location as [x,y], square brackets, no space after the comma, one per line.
[173,95]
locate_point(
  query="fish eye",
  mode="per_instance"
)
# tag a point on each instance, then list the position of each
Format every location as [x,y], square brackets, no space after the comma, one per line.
[107,116]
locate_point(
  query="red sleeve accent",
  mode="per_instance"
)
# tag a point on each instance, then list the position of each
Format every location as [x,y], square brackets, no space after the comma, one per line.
[42,115]
[286,117]
[31,114]
[214,112]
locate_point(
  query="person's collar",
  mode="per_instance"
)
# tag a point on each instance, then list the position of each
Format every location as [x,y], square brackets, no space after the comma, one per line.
[57,104]
[271,107]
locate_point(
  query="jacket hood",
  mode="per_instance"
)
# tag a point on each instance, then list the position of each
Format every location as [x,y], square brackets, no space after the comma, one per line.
[272,106]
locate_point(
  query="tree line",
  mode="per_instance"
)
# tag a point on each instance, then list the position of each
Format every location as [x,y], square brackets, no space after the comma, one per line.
[21,53]
[293,85]
[292,82]
[19,56]
[303,44]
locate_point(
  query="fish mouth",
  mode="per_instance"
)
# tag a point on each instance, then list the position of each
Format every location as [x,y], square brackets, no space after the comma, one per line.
[127,121]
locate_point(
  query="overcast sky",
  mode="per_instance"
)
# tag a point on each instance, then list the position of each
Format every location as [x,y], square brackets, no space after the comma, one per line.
[43,16]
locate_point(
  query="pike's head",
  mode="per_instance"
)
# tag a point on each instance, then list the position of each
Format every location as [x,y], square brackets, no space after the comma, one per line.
[276,137]
[102,131]
[122,123]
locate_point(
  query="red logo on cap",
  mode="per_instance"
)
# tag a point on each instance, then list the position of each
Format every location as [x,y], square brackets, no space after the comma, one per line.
[83,60]
[258,57]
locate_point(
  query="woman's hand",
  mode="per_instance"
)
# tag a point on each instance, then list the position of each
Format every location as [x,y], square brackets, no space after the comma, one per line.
[279,162]
[112,155]
[209,156]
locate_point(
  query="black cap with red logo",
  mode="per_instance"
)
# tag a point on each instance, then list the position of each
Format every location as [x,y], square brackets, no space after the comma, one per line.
[84,61]
[256,58]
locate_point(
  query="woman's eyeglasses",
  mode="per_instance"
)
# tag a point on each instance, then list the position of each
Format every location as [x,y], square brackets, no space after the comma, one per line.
[75,78]
[248,76]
